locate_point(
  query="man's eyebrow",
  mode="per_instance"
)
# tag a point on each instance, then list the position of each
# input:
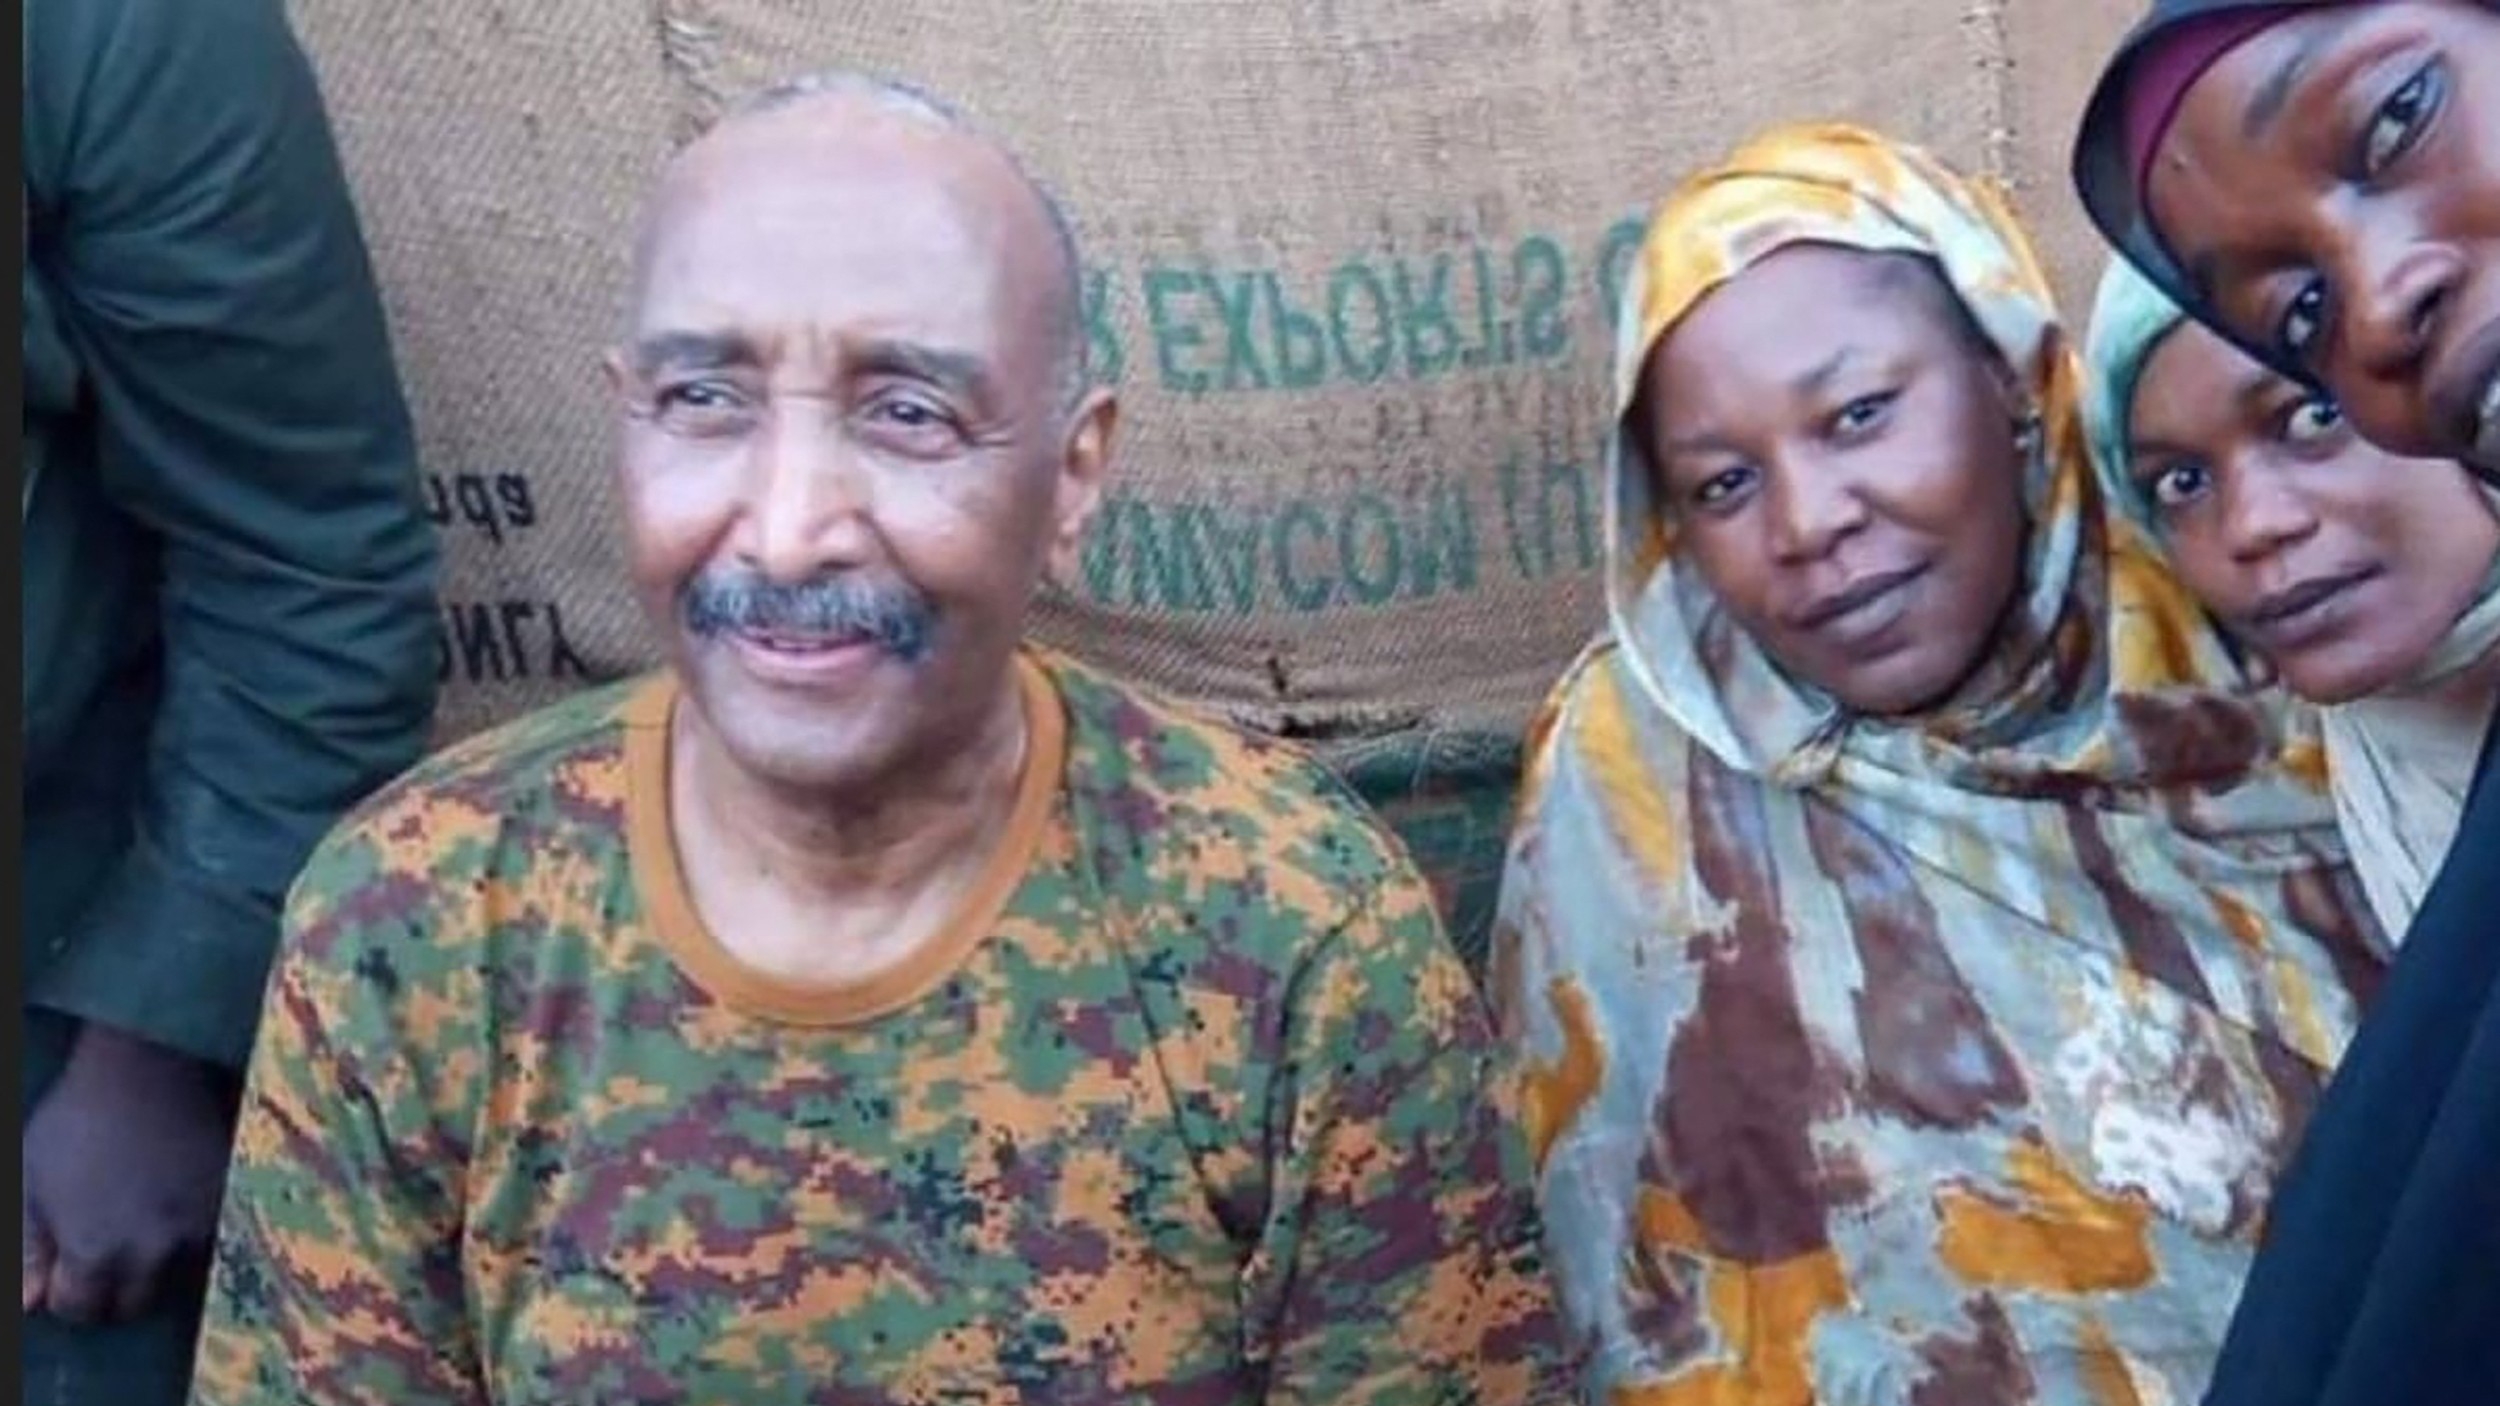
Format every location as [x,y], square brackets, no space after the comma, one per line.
[2275,93]
[959,372]
[691,351]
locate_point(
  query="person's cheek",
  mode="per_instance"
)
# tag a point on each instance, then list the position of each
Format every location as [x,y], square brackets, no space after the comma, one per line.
[1719,555]
[950,543]
[675,522]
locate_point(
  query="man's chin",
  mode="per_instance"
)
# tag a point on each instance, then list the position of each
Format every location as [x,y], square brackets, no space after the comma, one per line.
[805,760]
[789,737]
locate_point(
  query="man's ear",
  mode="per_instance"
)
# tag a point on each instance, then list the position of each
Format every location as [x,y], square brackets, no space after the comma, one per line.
[1084,465]
[613,371]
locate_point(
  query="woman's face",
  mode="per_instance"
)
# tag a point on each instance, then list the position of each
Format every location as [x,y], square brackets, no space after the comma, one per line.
[2342,563]
[1837,449]
[2332,185]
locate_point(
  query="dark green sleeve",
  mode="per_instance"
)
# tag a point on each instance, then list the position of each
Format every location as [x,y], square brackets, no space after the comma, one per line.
[197,236]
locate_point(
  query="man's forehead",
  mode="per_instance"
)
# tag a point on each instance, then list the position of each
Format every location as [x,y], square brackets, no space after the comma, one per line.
[852,196]
[909,211]
[808,249]
[831,151]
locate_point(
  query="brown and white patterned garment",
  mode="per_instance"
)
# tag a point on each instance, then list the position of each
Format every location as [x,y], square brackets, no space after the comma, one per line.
[1939,1060]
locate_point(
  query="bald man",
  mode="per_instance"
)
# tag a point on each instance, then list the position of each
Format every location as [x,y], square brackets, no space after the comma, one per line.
[870,1007]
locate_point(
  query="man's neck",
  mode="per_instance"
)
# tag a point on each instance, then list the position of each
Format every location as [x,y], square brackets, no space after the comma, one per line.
[811,884]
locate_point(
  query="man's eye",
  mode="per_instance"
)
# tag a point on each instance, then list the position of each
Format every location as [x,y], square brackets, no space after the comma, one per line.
[702,407]
[910,414]
[911,424]
[695,395]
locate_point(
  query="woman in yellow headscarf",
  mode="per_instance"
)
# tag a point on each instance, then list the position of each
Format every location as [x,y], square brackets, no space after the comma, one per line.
[1926,944]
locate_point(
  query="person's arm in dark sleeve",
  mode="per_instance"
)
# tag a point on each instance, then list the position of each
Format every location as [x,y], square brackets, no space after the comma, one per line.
[206,262]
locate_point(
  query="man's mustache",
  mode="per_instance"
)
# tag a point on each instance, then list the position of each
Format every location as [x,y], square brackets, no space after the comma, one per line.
[721,602]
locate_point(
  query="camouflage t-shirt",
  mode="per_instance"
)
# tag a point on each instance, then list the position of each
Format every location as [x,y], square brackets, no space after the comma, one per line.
[1200,1108]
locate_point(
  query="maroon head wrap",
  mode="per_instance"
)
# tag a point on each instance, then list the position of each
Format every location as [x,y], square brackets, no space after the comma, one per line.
[2162,75]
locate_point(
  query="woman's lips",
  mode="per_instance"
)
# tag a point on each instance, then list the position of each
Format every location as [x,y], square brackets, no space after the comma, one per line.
[2301,613]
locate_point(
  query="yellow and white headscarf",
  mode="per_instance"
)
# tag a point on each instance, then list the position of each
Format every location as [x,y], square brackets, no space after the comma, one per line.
[1959,1049]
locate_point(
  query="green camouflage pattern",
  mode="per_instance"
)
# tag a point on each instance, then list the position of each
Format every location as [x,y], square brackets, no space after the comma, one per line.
[1213,1115]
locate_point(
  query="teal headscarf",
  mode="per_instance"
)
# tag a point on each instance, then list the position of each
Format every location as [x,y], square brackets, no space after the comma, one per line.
[2130,318]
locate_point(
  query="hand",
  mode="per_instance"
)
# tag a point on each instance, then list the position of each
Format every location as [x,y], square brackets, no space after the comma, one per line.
[125,1163]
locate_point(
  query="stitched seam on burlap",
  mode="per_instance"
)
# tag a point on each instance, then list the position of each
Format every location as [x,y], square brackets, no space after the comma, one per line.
[1993,55]
[689,54]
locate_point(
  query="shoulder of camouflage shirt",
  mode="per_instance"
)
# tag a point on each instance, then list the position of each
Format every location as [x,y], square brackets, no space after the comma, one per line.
[1205,781]
[1211,786]
[511,767]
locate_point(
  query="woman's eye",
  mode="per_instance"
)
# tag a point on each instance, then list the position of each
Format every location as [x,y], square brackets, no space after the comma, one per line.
[2312,421]
[2177,485]
[2397,122]
[909,413]
[2297,331]
[1865,412]
[1720,489]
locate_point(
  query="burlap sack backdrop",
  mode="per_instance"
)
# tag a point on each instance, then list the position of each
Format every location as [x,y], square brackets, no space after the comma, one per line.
[1350,263]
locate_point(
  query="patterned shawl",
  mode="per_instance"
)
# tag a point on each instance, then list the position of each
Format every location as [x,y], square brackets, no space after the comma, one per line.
[2399,762]
[1954,1054]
